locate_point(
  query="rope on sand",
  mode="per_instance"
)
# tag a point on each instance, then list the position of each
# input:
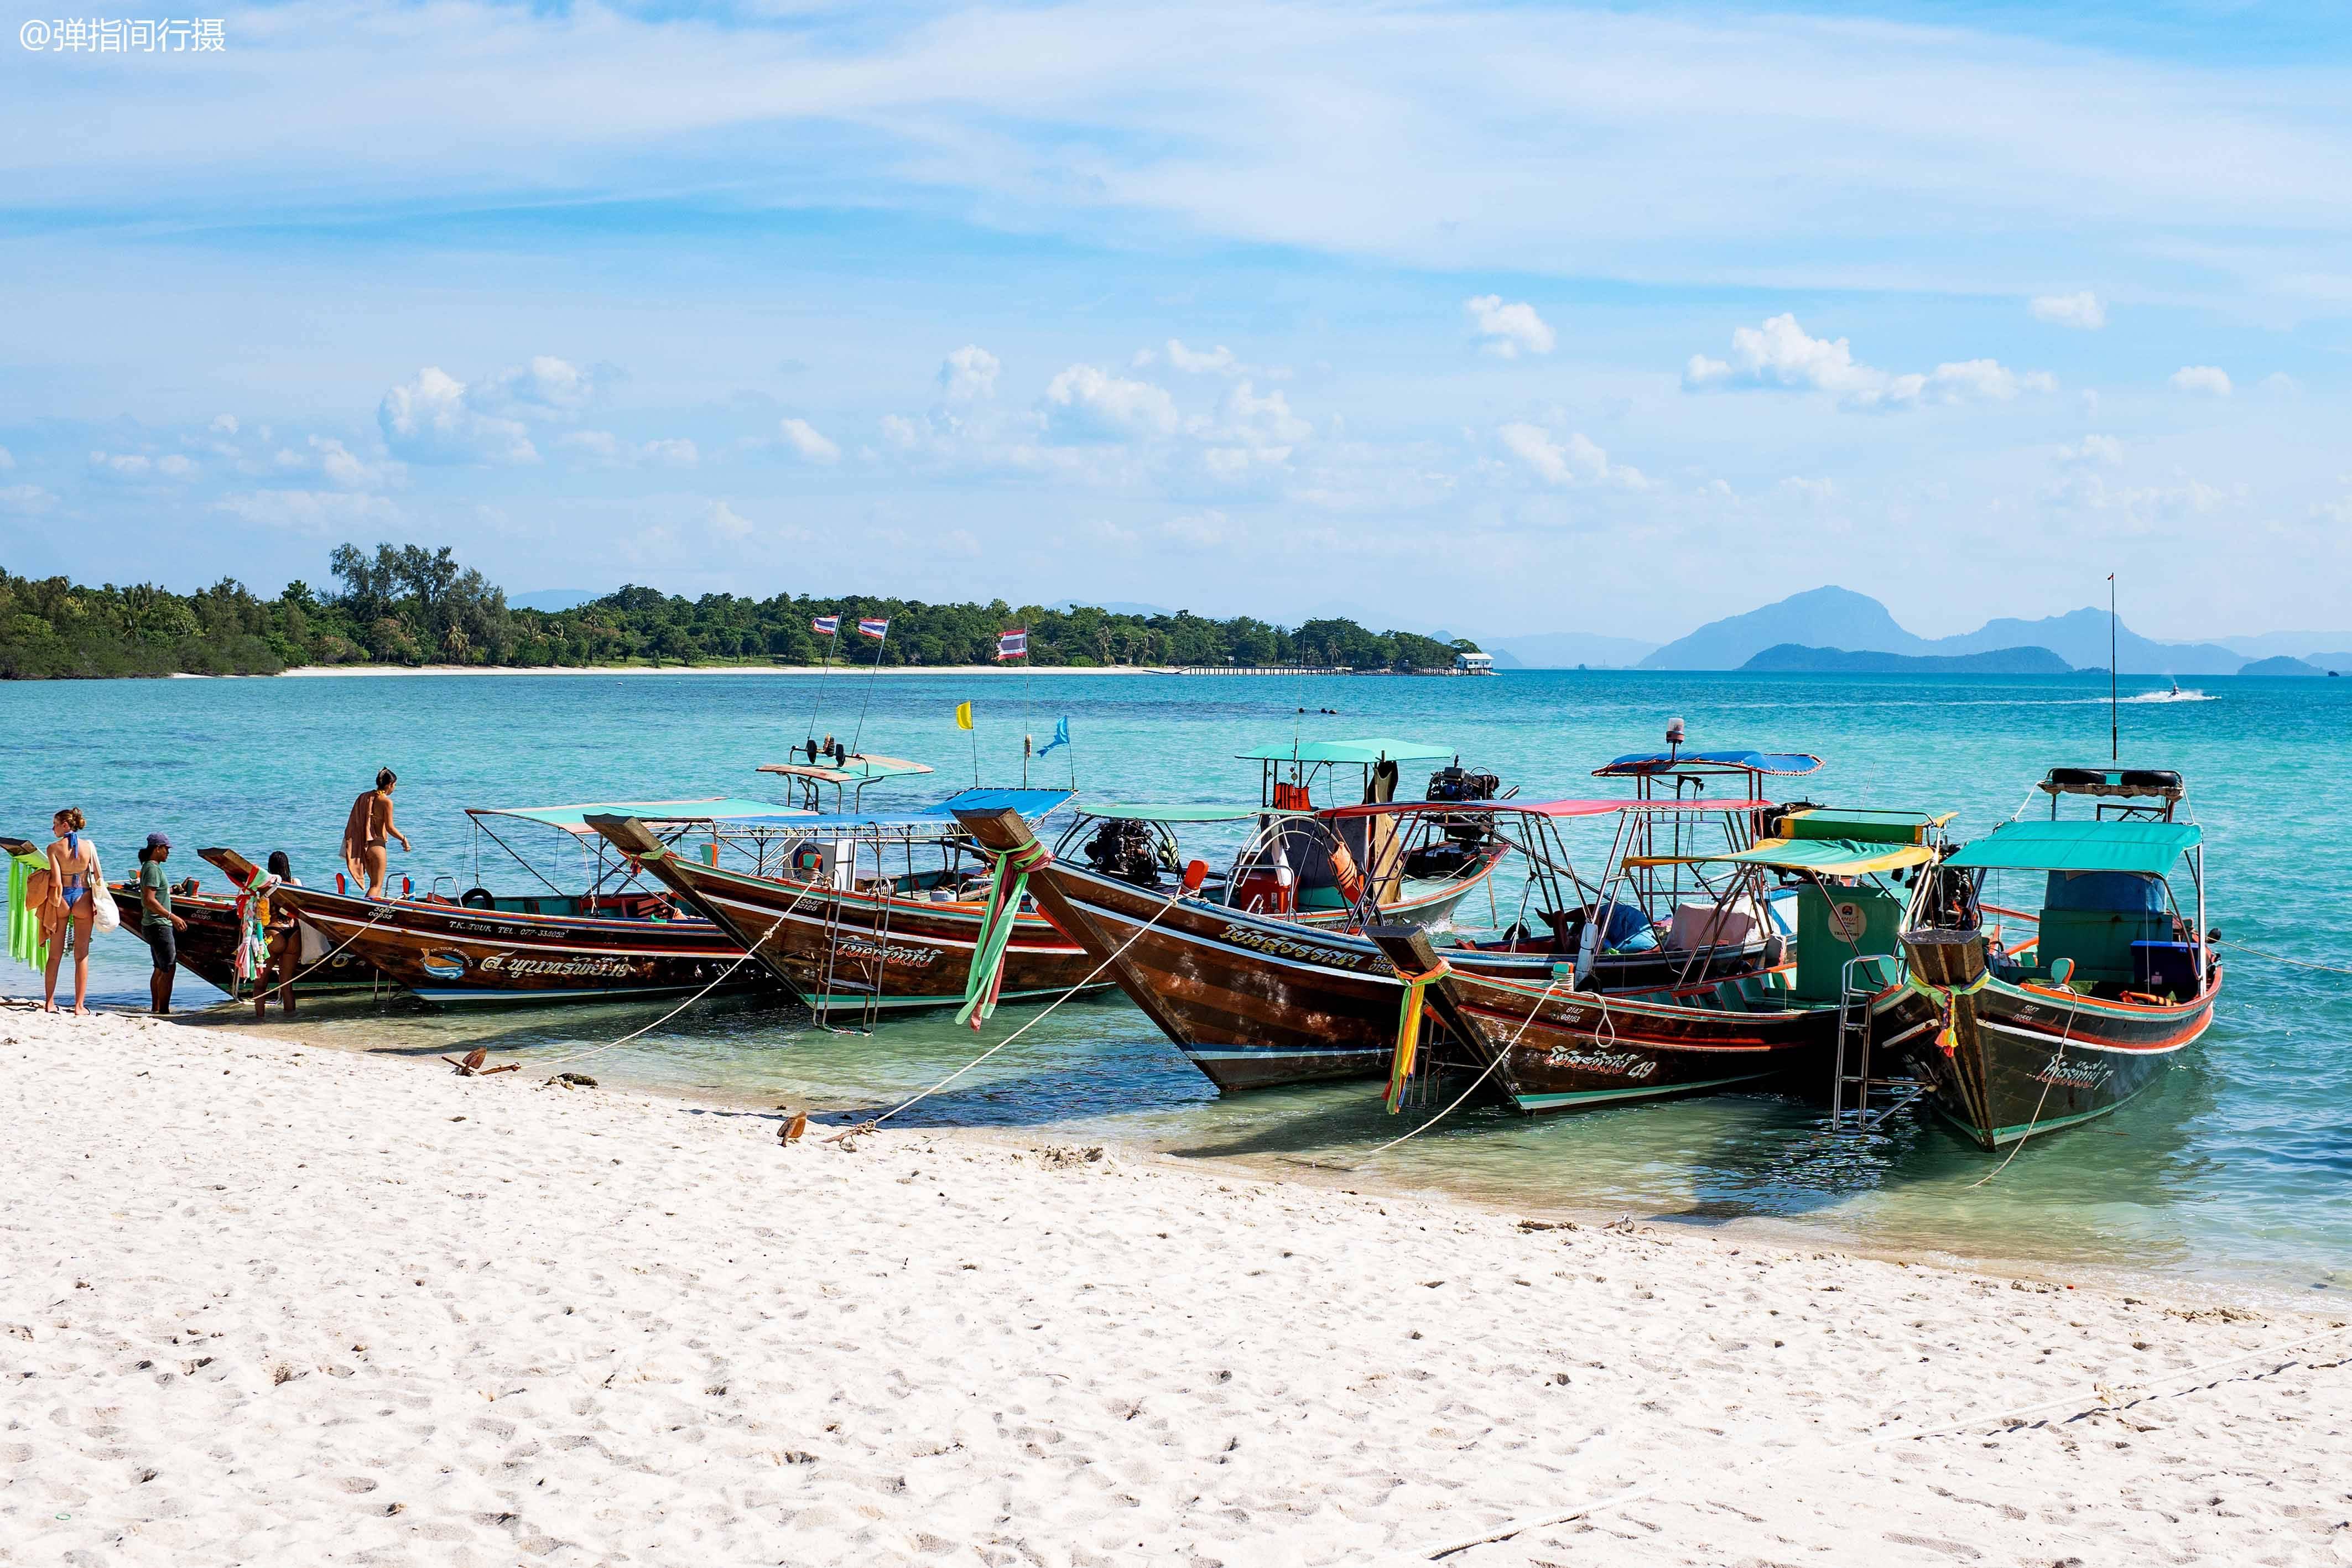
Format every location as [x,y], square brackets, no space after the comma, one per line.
[2073,1404]
[1492,1063]
[868,1126]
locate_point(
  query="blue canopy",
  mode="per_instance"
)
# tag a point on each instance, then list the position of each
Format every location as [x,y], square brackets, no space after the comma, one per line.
[1032,804]
[1782,764]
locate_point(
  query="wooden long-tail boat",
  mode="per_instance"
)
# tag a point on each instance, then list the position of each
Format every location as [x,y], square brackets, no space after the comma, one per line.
[208,948]
[829,918]
[2115,981]
[1552,1046]
[1257,1002]
[613,941]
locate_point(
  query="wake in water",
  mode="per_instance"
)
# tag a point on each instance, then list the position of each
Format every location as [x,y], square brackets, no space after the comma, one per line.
[2170,697]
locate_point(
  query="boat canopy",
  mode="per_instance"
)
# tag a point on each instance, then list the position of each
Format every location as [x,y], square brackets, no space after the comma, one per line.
[1353,753]
[572,819]
[858,768]
[1863,824]
[1821,857]
[1778,764]
[1541,807]
[922,821]
[1130,811]
[2149,848]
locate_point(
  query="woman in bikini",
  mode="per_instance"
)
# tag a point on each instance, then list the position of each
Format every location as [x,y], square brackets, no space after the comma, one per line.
[76,884]
[365,831]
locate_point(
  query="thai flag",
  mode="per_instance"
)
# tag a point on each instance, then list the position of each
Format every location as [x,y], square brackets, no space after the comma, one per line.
[827,625]
[1012,644]
[875,628]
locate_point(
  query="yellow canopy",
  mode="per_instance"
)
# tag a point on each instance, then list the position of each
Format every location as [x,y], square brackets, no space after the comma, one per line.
[1823,857]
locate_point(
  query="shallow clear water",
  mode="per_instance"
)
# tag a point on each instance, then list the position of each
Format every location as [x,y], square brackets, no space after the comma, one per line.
[2235,1166]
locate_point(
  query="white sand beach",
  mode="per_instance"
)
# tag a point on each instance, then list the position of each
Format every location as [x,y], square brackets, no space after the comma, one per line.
[268,1304]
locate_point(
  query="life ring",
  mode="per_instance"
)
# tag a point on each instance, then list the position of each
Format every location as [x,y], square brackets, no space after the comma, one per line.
[478,898]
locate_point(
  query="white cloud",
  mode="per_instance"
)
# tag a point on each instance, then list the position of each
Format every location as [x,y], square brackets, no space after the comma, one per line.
[726,521]
[545,388]
[1263,422]
[308,511]
[1198,530]
[968,373]
[2094,451]
[223,424]
[2083,310]
[612,452]
[2280,384]
[1082,403]
[175,466]
[338,462]
[431,419]
[7,461]
[1814,492]
[1510,329]
[26,500]
[1782,354]
[136,466]
[1577,461]
[804,439]
[2204,380]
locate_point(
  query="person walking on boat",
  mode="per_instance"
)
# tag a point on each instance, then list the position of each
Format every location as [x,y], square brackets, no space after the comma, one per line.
[366,833]
[157,924]
[75,887]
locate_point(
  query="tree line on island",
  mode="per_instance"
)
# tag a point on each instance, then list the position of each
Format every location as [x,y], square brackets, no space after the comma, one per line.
[406,605]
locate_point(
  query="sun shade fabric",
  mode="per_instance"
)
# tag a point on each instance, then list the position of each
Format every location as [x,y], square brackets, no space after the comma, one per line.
[1350,752]
[1543,808]
[853,771]
[2149,848]
[1823,857]
[927,819]
[1780,764]
[1862,825]
[653,814]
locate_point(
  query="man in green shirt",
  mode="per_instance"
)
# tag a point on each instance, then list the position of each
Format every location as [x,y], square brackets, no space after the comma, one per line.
[156,921]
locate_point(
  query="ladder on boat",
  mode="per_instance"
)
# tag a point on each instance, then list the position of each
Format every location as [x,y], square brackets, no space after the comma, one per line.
[1860,1100]
[861,975]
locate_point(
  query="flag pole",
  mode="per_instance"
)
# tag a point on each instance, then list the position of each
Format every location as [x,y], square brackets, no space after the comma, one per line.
[878,646]
[824,668]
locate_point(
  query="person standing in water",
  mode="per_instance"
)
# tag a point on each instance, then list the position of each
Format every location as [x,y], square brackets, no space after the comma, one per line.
[367,832]
[157,923]
[285,943]
[75,887]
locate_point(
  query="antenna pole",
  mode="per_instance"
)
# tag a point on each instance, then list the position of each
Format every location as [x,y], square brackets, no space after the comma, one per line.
[2115,722]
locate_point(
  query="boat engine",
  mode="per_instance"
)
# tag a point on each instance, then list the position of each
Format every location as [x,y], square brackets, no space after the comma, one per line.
[1464,838]
[1128,851]
[1455,782]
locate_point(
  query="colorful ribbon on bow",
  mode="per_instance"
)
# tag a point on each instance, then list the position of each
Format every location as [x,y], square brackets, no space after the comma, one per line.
[1004,890]
[1407,1039]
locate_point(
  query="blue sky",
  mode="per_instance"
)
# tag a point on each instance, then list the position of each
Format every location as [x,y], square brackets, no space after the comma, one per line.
[1508,319]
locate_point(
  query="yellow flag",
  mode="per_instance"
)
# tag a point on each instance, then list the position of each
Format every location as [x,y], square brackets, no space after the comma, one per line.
[964,716]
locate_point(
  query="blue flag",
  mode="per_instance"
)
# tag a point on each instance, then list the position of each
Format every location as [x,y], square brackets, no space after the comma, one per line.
[1061,736]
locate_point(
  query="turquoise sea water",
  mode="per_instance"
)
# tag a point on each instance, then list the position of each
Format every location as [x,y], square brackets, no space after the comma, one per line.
[2235,1168]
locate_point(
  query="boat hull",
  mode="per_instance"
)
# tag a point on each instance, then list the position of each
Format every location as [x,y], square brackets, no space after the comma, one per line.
[208,948]
[892,953]
[2028,1060]
[453,955]
[1256,1003]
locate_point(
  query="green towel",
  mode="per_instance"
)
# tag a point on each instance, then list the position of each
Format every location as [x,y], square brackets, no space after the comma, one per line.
[24,944]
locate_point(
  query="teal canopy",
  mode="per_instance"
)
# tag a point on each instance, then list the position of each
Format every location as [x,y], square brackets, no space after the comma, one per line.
[653,813]
[1353,753]
[2147,847]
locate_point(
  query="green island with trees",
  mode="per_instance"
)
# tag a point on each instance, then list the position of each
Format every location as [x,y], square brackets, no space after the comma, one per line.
[405,606]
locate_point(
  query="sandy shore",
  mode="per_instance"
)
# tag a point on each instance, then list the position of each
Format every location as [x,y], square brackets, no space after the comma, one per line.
[333,670]
[264,1303]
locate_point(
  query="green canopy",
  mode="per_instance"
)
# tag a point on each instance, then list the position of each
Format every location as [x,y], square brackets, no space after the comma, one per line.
[2147,847]
[1128,811]
[1350,752]
[1863,823]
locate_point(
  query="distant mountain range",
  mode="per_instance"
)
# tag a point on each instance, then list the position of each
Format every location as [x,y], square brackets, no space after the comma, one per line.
[1785,658]
[1839,618]
[1567,651]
